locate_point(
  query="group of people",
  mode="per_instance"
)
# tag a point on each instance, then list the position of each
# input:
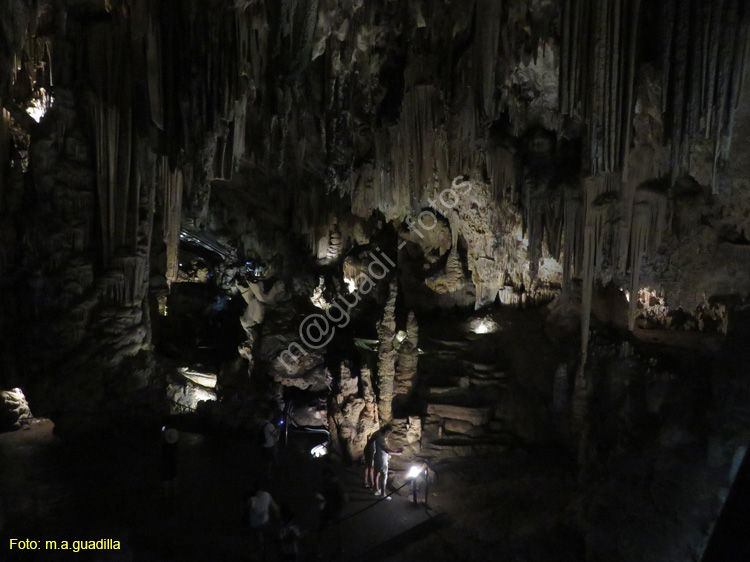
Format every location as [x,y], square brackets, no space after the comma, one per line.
[267,519]
[263,513]
[377,455]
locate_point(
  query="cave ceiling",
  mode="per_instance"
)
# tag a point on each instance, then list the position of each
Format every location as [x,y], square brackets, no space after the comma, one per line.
[524,152]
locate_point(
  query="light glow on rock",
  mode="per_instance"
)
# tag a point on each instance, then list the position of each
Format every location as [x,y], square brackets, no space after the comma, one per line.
[40,104]
[414,472]
[319,450]
[484,326]
[350,284]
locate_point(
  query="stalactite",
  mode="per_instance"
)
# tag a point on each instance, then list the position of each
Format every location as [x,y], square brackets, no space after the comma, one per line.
[639,237]
[598,86]
[740,57]
[695,58]
[534,205]
[724,75]
[573,230]
[113,157]
[154,73]
[703,59]
[112,288]
[171,182]
[650,218]
[592,72]
[589,241]
[463,134]
[680,87]
[415,151]
[713,60]
[630,86]
[489,23]
[609,90]
[592,239]
[615,111]
[7,234]
[110,64]
[135,273]
[579,45]
[240,130]
[553,223]
[668,17]
[565,59]
[599,195]
[501,168]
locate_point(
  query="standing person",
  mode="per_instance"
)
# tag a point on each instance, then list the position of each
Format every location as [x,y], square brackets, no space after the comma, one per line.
[261,508]
[370,460]
[382,455]
[168,463]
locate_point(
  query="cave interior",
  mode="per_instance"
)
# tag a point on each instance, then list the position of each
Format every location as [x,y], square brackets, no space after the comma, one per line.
[517,232]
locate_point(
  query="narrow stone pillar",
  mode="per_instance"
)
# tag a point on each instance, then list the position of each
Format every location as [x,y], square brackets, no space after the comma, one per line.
[387,355]
[408,356]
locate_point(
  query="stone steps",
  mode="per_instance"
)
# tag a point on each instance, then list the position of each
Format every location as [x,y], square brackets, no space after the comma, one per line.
[488,381]
[450,447]
[462,386]
[474,415]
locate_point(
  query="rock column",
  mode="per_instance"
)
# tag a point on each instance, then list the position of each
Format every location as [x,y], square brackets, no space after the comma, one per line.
[408,356]
[387,355]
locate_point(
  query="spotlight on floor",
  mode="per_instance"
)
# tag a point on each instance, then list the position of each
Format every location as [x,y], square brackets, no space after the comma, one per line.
[414,472]
[412,477]
[319,450]
[484,325]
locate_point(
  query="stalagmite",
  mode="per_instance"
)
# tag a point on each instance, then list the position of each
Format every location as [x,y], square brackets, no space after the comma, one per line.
[387,355]
[335,246]
[408,356]
[451,279]
[352,415]
[369,420]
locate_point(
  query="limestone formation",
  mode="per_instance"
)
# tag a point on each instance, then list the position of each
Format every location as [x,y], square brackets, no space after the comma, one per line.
[575,170]
[335,244]
[387,355]
[408,356]
[352,413]
[14,409]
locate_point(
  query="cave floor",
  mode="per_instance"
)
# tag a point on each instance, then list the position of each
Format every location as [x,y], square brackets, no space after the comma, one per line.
[108,489]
